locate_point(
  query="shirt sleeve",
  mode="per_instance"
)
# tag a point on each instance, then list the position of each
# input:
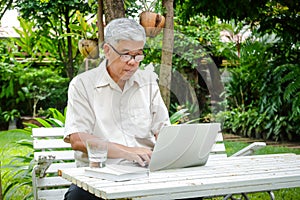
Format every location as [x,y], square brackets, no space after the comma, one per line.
[80,116]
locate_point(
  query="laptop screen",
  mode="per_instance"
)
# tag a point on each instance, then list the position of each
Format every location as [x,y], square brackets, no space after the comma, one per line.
[183,145]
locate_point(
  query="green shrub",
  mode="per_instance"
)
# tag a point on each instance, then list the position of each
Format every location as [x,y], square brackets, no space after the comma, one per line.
[263,93]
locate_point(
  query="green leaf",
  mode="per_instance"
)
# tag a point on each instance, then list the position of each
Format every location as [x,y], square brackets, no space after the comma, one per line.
[178,115]
[75,27]
[43,122]
[57,115]
[56,122]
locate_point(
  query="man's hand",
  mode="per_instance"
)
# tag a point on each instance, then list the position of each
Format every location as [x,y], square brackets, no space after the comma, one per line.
[140,155]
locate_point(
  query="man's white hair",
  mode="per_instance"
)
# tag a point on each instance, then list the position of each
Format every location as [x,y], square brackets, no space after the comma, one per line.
[124,29]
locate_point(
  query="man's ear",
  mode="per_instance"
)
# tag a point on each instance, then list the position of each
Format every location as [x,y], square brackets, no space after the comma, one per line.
[106,50]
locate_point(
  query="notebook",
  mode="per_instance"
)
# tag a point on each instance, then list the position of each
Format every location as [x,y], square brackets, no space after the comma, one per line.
[183,145]
[115,172]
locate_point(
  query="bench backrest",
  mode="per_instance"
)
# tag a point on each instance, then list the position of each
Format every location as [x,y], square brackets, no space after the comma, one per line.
[218,150]
[48,142]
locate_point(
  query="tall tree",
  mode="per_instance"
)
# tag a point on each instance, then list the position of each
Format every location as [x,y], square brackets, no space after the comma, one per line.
[100,22]
[113,9]
[165,74]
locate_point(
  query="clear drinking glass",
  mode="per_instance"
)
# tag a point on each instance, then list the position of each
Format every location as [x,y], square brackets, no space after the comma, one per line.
[97,152]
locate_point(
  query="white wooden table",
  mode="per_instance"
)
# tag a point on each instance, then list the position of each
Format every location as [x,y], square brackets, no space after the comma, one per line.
[218,177]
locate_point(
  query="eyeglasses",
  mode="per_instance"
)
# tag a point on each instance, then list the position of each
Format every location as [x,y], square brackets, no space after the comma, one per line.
[126,57]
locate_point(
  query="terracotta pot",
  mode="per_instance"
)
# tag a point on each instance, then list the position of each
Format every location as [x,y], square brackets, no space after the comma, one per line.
[89,48]
[152,22]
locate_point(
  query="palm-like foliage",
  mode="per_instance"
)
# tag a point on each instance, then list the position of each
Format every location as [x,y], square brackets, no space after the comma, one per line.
[18,172]
[292,90]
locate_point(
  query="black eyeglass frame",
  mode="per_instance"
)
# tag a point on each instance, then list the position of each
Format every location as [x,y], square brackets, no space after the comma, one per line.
[125,57]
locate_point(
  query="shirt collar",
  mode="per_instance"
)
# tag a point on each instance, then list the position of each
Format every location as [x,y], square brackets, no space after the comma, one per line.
[103,78]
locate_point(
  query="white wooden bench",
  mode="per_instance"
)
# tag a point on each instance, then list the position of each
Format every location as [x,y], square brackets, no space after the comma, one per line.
[219,149]
[52,153]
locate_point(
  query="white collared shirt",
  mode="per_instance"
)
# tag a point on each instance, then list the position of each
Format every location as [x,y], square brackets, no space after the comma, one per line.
[97,105]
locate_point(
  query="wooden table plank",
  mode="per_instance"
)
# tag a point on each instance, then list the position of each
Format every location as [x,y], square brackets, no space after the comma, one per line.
[219,177]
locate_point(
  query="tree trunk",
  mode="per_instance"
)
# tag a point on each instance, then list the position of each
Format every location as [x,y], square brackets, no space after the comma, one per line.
[167,52]
[113,9]
[100,22]
[69,61]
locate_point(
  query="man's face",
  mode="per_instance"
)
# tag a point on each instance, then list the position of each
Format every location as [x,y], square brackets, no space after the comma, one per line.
[123,59]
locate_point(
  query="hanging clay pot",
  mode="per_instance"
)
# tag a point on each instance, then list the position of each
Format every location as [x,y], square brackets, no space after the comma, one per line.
[89,48]
[152,22]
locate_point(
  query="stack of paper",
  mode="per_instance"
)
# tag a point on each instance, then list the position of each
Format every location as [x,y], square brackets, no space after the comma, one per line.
[114,172]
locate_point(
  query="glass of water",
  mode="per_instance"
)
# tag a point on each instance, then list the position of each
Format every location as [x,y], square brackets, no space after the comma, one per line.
[97,152]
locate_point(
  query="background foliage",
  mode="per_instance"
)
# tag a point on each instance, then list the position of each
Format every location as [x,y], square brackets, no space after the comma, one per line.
[31,78]
[263,84]
[263,92]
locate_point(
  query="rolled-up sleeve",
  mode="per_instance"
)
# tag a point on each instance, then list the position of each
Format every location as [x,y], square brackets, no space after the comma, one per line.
[80,116]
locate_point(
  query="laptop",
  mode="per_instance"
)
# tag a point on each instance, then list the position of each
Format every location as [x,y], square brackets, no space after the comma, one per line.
[183,145]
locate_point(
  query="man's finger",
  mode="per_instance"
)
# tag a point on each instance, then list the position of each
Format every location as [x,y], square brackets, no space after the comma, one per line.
[145,157]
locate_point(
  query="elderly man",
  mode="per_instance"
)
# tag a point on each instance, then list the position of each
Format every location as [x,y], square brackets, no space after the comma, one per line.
[116,101]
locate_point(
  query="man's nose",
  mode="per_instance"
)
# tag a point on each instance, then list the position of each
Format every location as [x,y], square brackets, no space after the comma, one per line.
[132,61]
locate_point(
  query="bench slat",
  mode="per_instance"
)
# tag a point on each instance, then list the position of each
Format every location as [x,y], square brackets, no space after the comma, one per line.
[214,157]
[219,137]
[250,149]
[218,149]
[47,132]
[52,182]
[54,167]
[50,144]
[59,155]
[56,194]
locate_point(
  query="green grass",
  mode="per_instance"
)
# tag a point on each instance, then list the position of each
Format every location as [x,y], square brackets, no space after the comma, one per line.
[9,149]
[232,147]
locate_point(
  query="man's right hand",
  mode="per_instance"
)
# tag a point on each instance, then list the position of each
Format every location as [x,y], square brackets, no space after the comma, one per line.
[139,155]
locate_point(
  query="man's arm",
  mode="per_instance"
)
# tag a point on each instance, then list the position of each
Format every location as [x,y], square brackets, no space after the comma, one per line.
[140,155]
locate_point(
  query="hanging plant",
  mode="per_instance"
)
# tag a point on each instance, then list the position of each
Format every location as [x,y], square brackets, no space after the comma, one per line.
[89,48]
[88,44]
[151,21]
